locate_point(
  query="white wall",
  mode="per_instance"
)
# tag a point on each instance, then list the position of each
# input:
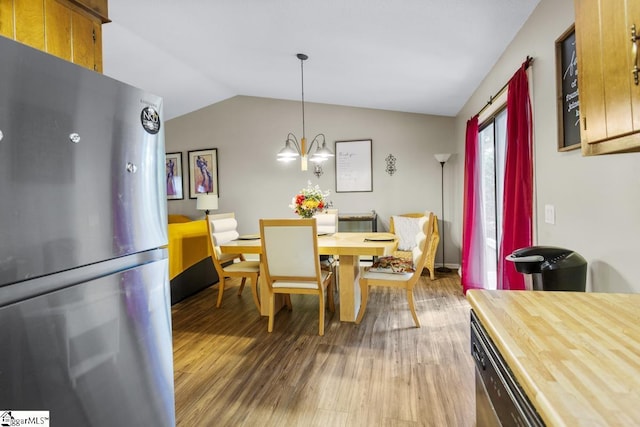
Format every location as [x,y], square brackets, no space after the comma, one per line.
[248,132]
[596,199]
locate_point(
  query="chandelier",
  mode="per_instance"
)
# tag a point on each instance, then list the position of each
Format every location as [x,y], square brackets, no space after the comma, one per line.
[292,149]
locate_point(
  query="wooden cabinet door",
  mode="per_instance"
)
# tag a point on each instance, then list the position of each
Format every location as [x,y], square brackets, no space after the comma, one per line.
[29,22]
[589,51]
[57,29]
[609,98]
[83,41]
[71,35]
[633,17]
[6,18]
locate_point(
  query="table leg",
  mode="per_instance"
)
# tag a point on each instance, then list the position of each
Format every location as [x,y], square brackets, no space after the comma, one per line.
[348,270]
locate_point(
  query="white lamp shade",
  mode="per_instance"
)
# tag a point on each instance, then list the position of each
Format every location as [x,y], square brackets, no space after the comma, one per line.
[288,152]
[207,202]
[442,158]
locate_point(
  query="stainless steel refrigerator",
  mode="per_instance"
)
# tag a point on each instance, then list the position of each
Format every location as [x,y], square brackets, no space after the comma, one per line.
[85,321]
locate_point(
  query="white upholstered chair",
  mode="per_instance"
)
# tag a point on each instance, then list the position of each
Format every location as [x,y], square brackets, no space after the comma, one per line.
[406,280]
[291,264]
[222,229]
[327,223]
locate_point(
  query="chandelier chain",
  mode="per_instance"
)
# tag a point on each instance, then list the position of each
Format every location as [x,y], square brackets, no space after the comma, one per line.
[302,74]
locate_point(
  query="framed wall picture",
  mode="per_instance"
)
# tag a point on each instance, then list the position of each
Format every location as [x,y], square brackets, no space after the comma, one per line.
[203,172]
[567,91]
[173,166]
[353,166]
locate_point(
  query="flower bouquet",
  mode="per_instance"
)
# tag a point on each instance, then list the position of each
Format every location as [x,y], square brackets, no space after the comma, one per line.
[309,201]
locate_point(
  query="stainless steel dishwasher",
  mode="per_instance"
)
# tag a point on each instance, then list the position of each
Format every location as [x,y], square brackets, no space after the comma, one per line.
[499,399]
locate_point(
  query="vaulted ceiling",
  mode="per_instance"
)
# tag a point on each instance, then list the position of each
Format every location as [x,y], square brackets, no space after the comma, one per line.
[422,56]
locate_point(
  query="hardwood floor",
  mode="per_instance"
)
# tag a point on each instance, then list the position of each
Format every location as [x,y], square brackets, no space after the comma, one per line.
[229,371]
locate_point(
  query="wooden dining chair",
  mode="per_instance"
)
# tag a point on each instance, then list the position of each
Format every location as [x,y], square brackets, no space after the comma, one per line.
[406,252]
[327,223]
[291,264]
[222,229]
[398,279]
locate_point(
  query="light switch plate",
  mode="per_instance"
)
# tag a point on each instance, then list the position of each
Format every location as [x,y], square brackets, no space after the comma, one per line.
[549,214]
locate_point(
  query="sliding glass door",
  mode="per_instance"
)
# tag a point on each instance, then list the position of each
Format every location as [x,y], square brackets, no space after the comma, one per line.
[492,140]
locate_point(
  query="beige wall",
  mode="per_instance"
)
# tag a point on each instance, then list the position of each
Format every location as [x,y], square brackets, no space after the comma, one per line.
[248,132]
[596,199]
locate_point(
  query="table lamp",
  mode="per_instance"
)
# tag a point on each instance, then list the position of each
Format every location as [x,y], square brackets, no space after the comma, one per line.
[207,202]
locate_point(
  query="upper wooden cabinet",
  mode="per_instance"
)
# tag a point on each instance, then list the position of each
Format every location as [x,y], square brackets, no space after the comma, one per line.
[69,29]
[609,91]
[97,8]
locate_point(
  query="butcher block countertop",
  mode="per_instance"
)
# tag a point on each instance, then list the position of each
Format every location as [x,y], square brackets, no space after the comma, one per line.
[575,354]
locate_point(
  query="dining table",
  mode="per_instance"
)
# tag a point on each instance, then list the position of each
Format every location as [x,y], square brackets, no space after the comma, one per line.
[347,246]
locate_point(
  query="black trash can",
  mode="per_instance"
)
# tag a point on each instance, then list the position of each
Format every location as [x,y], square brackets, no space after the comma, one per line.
[549,268]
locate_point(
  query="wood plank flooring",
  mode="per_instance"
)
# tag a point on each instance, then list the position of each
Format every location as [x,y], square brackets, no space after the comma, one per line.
[229,371]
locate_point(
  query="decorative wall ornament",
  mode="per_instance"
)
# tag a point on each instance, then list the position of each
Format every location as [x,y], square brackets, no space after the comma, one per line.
[391,164]
[317,171]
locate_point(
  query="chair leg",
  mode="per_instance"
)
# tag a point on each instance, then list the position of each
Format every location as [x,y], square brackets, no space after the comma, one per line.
[244,280]
[330,296]
[412,307]
[364,297]
[287,302]
[272,303]
[254,291]
[321,315]
[432,270]
[334,270]
[220,291]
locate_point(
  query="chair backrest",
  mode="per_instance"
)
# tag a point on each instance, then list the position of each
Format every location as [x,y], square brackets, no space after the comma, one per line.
[290,250]
[405,226]
[222,228]
[392,225]
[327,221]
[423,237]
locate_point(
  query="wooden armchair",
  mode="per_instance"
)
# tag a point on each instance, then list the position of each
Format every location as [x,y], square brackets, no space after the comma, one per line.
[222,228]
[432,244]
[403,279]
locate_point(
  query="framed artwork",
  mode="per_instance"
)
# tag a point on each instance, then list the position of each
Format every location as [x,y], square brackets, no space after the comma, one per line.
[353,166]
[203,172]
[567,91]
[173,169]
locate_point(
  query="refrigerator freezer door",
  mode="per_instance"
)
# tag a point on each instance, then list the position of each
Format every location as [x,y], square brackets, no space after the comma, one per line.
[82,175]
[94,354]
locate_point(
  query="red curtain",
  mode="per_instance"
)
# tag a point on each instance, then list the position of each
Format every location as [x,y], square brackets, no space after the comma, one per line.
[517,226]
[472,253]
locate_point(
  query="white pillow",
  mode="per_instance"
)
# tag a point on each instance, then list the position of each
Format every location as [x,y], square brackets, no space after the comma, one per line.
[406,229]
[223,224]
[224,236]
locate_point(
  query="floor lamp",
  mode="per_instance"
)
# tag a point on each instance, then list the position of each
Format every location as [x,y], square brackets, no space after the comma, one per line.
[442,158]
